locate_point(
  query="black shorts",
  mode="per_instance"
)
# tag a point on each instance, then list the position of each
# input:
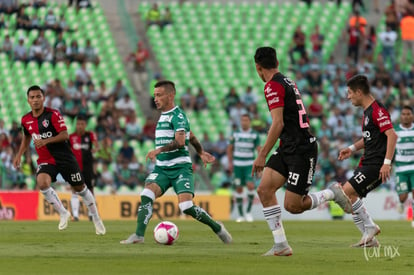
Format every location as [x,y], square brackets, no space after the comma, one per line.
[70,173]
[297,168]
[365,179]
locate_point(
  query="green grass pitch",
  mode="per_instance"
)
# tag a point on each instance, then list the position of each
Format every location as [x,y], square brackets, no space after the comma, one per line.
[318,248]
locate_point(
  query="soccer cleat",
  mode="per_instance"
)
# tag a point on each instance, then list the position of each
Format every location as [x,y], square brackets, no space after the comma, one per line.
[412,224]
[75,219]
[341,198]
[240,219]
[133,239]
[249,217]
[223,234]
[64,220]
[282,249]
[373,243]
[99,227]
[369,234]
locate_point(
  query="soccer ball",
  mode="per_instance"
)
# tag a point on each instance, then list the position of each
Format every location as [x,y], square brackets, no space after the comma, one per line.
[166,233]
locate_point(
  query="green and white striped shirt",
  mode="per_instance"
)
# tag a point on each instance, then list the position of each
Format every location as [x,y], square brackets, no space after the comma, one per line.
[244,145]
[404,150]
[169,123]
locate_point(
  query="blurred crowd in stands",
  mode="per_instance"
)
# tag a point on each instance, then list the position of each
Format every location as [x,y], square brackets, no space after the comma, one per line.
[323,86]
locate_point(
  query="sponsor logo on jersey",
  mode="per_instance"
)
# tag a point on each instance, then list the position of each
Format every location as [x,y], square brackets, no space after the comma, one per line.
[367,135]
[366,121]
[45,123]
[42,136]
[382,124]
[271,94]
[273,100]
[164,118]
[29,122]
[79,146]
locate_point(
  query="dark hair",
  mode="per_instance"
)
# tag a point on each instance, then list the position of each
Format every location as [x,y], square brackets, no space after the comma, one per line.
[266,57]
[168,85]
[360,82]
[407,107]
[247,115]
[82,117]
[34,88]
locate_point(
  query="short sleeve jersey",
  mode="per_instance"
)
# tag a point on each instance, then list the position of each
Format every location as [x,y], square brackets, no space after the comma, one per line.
[245,143]
[168,124]
[82,148]
[281,91]
[404,150]
[49,124]
[375,121]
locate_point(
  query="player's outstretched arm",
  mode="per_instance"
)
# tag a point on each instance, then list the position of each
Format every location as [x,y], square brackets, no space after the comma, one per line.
[23,148]
[347,152]
[205,156]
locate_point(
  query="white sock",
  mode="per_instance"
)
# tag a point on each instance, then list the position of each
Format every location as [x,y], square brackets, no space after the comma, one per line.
[89,200]
[74,203]
[358,208]
[320,197]
[359,223]
[273,217]
[52,197]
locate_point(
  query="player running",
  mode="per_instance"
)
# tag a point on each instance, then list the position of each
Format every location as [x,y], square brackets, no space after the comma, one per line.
[404,157]
[240,153]
[378,141]
[50,137]
[83,144]
[294,161]
[173,166]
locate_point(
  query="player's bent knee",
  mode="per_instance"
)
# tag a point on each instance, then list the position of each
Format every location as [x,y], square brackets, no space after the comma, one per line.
[262,192]
[293,208]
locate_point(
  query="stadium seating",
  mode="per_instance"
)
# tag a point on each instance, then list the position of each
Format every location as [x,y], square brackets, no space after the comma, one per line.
[211,45]
[17,76]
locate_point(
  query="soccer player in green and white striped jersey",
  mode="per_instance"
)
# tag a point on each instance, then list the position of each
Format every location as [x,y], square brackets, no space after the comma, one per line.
[241,154]
[404,156]
[173,167]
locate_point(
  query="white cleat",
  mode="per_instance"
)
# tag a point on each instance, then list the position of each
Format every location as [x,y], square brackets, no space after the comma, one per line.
[369,234]
[99,227]
[64,220]
[373,243]
[280,250]
[249,217]
[412,224]
[133,239]
[224,235]
[341,198]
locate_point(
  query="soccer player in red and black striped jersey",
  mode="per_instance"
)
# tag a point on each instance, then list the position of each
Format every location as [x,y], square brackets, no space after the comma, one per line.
[84,144]
[294,161]
[46,127]
[378,141]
